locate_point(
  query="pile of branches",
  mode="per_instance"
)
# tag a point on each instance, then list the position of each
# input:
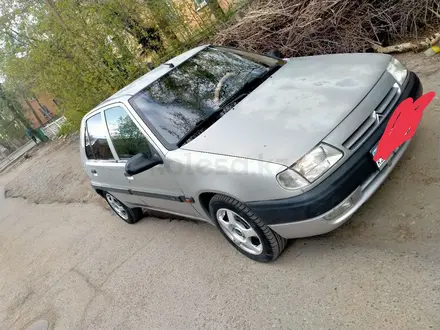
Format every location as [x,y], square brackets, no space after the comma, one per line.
[311,27]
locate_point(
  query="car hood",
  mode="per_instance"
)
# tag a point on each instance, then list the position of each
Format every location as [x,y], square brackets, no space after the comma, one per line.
[294,109]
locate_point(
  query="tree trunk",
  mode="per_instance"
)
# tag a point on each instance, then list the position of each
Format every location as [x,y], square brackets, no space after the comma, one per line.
[53,9]
[216,10]
[159,12]
[409,46]
[163,25]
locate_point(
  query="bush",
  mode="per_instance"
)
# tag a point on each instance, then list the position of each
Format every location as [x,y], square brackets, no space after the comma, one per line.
[67,128]
[312,27]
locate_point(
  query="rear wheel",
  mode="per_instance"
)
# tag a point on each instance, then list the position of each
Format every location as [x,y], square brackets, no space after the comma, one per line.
[244,230]
[125,213]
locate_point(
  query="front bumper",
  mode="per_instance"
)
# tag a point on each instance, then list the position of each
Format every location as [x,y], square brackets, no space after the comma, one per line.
[356,179]
[320,225]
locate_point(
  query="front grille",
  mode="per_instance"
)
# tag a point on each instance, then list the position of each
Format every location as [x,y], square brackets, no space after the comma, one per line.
[373,121]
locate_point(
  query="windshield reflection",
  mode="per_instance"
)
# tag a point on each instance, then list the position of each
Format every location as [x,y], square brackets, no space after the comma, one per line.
[173,104]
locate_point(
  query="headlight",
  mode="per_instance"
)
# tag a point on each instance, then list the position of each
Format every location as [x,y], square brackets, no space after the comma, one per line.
[397,70]
[289,179]
[310,167]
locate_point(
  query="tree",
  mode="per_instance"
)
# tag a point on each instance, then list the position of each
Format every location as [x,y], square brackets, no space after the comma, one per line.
[126,13]
[160,12]
[83,51]
[9,103]
[127,139]
[216,10]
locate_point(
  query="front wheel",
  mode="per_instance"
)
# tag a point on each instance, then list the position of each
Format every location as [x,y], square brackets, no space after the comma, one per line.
[244,230]
[127,214]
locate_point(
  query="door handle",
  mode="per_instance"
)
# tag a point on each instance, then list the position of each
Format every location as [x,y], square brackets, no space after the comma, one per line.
[94,172]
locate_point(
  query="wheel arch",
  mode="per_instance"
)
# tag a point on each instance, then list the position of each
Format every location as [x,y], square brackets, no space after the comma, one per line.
[100,192]
[205,197]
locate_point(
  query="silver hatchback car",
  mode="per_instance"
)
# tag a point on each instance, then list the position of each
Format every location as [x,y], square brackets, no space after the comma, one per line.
[266,149]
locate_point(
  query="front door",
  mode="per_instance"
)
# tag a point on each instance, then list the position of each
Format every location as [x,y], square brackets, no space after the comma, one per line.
[101,165]
[155,188]
[158,189]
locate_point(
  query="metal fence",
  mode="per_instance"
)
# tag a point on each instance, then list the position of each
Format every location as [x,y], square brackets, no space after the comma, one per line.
[14,156]
[51,130]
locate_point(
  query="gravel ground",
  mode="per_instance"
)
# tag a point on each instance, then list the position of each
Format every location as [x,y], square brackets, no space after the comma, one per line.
[80,268]
[53,174]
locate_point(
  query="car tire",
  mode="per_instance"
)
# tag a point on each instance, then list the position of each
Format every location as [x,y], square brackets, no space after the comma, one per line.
[246,232]
[127,214]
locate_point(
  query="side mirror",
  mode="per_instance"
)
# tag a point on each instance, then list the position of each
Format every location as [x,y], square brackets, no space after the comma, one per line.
[140,163]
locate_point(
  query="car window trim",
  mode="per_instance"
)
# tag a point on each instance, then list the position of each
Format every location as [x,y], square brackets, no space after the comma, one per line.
[109,140]
[87,138]
[112,148]
[108,131]
[162,140]
[90,115]
[243,52]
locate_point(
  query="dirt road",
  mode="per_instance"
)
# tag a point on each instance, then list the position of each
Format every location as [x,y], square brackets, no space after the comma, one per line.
[80,268]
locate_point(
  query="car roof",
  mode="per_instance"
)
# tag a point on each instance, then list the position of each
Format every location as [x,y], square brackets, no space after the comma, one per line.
[148,78]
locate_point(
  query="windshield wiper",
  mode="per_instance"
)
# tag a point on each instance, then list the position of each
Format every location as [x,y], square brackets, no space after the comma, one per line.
[213,116]
[207,120]
[270,72]
[250,85]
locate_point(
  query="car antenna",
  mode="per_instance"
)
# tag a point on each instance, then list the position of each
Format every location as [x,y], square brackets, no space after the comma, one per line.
[171,65]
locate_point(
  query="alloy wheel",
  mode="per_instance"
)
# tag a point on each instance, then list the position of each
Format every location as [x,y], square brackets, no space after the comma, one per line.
[117,206]
[239,231]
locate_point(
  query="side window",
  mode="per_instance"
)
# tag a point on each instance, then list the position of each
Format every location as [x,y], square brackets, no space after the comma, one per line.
[127,139]
[96,141]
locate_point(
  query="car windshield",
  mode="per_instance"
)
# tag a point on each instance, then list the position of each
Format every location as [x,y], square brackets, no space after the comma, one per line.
[174,104]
